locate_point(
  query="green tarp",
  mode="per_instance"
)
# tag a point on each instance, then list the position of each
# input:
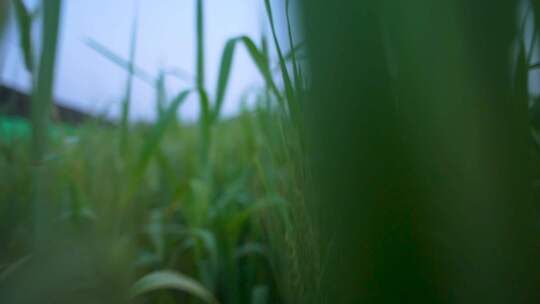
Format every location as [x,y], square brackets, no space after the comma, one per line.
[19,128]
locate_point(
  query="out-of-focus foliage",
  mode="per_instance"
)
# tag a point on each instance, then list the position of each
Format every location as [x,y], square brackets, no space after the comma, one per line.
[212,232]
[162,212]
[401,169]
[420,151]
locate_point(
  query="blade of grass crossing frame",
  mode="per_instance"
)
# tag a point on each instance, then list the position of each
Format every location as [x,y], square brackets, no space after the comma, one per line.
[41,105]
[205,124]
[292,52]
[289,91]
[260,59]
[264,47]
[205,118]
[262,64]
[265,53]
[3,14]
[161,94]
[24,23]
[223,78]
[200,44]
[124,128]
[119,61]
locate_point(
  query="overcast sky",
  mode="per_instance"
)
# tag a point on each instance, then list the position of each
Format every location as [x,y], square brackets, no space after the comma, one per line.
[87,81]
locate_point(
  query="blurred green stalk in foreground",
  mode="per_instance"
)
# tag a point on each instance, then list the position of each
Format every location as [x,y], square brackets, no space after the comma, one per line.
[418,144]
[2,33]
[41,107]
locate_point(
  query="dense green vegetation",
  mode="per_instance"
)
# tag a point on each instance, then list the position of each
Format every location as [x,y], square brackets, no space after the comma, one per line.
[422,159]
[160,213]
[403,169]
[171,218]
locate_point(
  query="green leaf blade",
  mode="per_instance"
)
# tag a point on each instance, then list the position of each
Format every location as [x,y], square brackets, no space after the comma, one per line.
[171,280]
[24,23]
[224,75]
[119,61]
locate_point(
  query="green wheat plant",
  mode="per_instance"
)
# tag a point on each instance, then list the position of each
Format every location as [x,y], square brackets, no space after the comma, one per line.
[159,212]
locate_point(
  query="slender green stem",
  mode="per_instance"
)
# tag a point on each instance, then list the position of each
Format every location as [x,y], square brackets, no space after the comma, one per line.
[205,116]
[289,90]
[292,46]
[129,86]
[200,44]
[41,106]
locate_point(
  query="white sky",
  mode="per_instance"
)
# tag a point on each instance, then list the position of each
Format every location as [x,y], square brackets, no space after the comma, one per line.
[87,81]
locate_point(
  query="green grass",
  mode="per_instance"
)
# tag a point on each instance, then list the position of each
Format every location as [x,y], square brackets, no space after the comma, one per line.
[40,116]
[159,207]
[401,168]
[164,212]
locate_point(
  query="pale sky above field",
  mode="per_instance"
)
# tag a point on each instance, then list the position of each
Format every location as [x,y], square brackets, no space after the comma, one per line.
[89,82]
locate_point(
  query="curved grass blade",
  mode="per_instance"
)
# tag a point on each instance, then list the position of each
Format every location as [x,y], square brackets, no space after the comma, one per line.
[223,78]
[262,64]
[289,89]
[292,52]
[260,61]
[171,280]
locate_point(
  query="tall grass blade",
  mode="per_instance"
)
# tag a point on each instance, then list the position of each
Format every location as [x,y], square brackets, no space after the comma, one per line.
[264,47]
[41,106]
[223,78]
[161,94]
[24,23]
[205,118]
[205,124]
[289,89]
[200,44]
[292,51]
[124,144]
[260,60]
